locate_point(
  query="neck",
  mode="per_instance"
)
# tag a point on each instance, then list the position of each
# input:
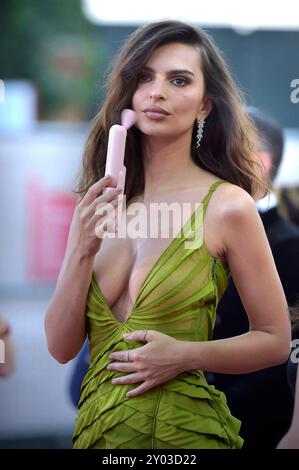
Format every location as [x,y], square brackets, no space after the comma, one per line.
[167,165]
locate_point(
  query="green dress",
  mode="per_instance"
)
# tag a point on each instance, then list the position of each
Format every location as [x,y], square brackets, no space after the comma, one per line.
[179,298]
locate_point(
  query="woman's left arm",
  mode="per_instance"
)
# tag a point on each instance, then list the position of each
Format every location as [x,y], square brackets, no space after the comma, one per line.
[251,263]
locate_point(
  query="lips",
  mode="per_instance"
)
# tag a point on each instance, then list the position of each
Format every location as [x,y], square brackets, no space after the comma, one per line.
[156,110]
[155,113]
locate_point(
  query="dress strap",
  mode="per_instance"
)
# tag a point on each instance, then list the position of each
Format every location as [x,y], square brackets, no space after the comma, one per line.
[208,196]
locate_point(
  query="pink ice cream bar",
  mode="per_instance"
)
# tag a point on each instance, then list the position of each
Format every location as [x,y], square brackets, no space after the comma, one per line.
[116,148]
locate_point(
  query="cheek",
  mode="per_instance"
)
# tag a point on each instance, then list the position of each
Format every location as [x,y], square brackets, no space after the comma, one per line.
[136,100]
[189,103]
[136,105]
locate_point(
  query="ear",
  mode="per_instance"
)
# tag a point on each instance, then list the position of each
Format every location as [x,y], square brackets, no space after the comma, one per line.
[205,109]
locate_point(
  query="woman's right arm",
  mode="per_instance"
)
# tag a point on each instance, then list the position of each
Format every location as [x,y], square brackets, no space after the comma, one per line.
[65,316]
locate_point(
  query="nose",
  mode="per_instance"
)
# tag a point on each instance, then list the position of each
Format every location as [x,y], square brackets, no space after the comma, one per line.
[157,91]
[157,95]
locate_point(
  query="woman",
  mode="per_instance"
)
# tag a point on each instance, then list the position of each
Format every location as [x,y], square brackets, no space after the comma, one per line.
[147,389]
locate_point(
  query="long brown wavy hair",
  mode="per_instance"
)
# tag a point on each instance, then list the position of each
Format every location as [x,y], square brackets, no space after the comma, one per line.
[229,145]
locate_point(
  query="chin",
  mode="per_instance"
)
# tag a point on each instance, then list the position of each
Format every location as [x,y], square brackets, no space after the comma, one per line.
[157,134]
[154,128]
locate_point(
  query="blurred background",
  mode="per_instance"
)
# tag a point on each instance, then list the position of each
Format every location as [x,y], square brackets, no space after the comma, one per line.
[53,62]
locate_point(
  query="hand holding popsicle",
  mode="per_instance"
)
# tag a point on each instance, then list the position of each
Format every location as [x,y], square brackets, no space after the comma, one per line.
[116,148]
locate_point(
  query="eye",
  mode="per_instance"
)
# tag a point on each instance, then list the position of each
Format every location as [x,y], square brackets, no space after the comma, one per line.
[180,81]
[143,77]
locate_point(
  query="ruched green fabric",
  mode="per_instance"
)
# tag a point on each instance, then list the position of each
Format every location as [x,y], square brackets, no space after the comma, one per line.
[179,298]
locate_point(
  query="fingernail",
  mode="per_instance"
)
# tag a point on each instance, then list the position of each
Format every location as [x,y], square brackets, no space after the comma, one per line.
[125,335]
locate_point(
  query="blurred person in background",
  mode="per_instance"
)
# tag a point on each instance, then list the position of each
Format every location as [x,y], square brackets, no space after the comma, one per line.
[154,295]
[262,399]
[289,203]
[78,373]
[291,438]
[6,367]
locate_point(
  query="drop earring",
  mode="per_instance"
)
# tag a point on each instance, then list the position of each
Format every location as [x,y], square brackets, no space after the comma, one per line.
[200,124]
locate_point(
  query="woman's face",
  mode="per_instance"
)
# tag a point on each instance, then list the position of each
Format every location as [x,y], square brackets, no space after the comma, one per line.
[170,93]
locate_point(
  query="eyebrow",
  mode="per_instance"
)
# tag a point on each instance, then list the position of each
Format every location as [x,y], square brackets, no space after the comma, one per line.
[172,72]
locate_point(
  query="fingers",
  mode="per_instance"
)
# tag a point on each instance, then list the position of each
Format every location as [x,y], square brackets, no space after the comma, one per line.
[95,189]
[133,379]
[128,379]
[144,387]
[105,220]
[109,198]
[122,366]
[145,336]
[120,181]
[122,356]
[102,212]
[97,209]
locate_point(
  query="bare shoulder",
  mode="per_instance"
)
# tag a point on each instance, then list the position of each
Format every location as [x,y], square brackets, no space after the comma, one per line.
[233,203]
[231,211]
